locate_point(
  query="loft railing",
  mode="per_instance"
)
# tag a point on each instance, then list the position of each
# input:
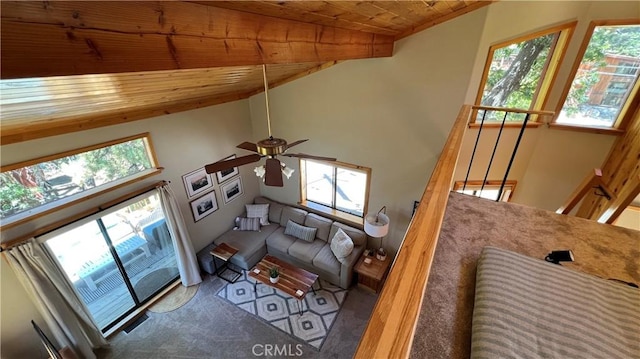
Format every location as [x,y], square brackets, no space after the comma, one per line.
[484,110]
[390,331]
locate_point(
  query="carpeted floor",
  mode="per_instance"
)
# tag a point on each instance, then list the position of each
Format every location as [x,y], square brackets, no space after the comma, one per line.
[444,326]
[210,327]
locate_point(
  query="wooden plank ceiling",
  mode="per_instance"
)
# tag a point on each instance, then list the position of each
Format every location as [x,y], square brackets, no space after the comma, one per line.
[71,66]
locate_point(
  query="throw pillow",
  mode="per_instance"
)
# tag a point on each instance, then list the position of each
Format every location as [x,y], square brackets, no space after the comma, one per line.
[341,245]
[259,211]
[248,224]
[301,232]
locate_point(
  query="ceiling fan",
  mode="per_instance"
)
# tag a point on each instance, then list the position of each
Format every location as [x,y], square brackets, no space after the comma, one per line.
[270,147]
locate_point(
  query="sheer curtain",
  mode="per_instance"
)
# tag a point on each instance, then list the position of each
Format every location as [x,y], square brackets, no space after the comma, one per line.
[55,299]
[185,254]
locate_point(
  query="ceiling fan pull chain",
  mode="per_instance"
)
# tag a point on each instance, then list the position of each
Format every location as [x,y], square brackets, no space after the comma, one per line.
[266,96]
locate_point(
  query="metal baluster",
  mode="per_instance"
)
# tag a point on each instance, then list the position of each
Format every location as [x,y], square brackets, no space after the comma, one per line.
[493,153]
[466,178]
[513,156]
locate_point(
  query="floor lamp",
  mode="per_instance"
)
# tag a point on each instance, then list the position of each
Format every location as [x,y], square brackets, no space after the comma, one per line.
[377,226]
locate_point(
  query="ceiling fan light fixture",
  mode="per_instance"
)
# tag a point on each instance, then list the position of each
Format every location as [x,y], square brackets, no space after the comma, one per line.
[260,171]
[287,171]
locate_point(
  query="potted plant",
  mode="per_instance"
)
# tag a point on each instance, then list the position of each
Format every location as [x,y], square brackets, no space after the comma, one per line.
[274,274]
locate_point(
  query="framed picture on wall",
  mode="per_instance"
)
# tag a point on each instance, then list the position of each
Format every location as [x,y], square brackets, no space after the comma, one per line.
[231,190]
[204,206]
[196,182]
[224,175]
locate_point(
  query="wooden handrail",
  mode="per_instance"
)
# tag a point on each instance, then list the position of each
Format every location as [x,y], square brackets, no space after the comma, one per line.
[514,110]
[389,333]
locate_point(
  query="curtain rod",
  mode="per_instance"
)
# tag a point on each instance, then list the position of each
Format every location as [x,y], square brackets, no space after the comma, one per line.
[69,220]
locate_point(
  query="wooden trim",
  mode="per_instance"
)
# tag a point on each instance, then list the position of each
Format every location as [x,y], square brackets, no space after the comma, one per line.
[26,132]
[591,180]
[56,156]
[611,214]
[556,55]
[578,61]
[598,130]
[514,110]
[332,211]
[493,183]
[295,77]
[53,226]
[469,8]
[153,172]
[72,38]
[516,125]
[390,331]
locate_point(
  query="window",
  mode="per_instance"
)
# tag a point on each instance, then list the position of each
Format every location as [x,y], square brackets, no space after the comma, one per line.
[489,191]
[334,186]
[606,78]
[40,186]
[519,73]
[116,259]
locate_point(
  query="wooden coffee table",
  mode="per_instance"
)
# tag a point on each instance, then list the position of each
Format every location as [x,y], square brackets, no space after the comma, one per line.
[224,252]
[293,280]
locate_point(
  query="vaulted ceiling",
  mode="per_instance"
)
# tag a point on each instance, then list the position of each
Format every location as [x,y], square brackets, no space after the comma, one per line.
[72,66]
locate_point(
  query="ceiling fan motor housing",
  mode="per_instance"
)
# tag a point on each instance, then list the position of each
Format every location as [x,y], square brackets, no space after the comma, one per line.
[271,146]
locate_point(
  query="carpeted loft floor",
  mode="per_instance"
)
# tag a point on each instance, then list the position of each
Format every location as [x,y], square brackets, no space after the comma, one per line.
[210,327]
[444,326]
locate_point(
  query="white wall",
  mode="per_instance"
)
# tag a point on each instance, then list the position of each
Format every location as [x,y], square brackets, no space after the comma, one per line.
[183,142]
[392,115]
[550,162]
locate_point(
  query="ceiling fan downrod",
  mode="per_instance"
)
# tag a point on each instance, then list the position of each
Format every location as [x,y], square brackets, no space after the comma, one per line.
[266,97]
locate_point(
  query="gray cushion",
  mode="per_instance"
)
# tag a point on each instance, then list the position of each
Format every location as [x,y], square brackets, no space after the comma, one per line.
[275,208]
[326,261]
[306,251]
[301,232]
[247,224]
[280,241]
[358,237]
[247,243]
[295,214]
[323,224]
[258,211]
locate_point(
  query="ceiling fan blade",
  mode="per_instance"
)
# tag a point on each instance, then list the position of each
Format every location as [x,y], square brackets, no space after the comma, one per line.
[248,146]
[296,143]
[311,157]
[273,174]
[224,165]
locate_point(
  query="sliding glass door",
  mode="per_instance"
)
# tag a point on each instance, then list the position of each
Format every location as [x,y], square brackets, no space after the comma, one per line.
[117,259]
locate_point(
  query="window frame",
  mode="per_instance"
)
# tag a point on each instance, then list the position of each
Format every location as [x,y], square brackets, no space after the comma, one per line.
[332,211]
[548,77]
[458,185]
[62,203]
[633,101]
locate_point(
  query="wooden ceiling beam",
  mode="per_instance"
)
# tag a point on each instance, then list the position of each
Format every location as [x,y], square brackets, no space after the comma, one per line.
[71,38]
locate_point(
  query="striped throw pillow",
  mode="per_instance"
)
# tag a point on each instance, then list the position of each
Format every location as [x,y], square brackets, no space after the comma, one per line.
[305,233]
[248,224]
[259,211]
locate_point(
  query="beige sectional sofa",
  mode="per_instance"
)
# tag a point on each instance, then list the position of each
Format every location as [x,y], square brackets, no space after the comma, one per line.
[315,256]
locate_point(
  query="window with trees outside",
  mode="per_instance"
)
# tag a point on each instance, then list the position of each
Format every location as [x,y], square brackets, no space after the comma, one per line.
[606,78]
[334,187]
[518,73]
[40,186]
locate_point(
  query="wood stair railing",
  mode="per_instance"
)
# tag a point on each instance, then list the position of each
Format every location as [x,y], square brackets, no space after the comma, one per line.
[390,331]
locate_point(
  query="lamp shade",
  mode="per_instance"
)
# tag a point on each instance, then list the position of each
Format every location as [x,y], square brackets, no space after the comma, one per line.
[376,225]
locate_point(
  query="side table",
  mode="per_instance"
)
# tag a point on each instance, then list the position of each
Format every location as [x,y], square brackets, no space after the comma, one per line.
[371,276]
[224,252]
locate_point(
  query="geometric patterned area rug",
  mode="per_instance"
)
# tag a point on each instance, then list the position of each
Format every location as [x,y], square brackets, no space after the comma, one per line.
[283,311]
